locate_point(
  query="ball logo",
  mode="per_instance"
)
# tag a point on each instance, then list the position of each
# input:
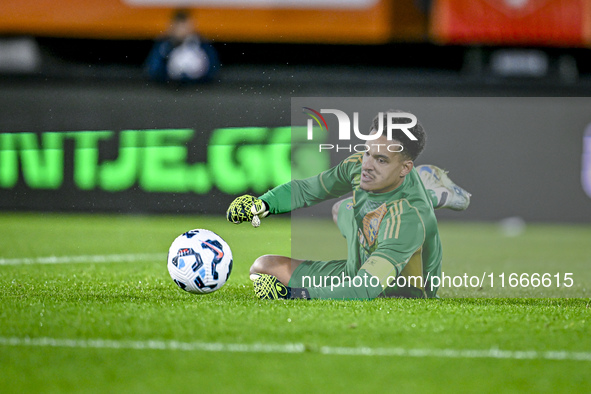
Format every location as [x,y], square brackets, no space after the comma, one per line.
[216,248]
[177,260]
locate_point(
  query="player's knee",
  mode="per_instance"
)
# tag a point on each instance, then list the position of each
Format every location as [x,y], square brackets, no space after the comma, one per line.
[280,267]
[263,265]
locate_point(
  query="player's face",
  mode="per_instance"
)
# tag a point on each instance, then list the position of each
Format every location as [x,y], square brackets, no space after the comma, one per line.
[383,171]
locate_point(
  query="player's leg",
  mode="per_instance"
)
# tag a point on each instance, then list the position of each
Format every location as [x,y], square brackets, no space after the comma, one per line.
[267,270]
[443,191]
[281,267]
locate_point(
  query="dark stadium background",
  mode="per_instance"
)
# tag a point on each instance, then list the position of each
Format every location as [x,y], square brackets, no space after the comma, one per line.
[85,82]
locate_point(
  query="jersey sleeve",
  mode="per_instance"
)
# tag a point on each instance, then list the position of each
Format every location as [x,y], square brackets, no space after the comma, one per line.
[331,183]
[401,239]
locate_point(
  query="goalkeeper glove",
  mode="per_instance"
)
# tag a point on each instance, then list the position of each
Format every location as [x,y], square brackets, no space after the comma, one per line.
[268,287]
[247,208]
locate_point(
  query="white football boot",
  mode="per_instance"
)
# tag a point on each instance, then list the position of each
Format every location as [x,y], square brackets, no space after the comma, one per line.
[449,195]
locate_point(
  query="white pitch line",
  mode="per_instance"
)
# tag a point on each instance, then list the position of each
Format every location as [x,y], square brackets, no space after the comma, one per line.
[107,258]
[290,348]
[459,353]
[153,345]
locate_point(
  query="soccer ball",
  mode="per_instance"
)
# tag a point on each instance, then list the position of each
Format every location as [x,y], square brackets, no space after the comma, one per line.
[199,261]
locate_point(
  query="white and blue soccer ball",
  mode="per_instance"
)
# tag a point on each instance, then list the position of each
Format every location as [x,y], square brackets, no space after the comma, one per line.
[199,261]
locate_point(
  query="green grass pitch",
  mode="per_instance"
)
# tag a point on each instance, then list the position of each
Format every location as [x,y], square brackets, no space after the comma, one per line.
[106,326]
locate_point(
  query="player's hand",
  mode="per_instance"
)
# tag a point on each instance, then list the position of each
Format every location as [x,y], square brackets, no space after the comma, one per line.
[268,287]
[247,208]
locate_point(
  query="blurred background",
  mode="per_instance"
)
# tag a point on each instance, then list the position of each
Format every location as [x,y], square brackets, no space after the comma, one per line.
[96,116]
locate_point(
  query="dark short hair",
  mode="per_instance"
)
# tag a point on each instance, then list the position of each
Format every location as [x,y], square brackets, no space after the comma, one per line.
[411,149]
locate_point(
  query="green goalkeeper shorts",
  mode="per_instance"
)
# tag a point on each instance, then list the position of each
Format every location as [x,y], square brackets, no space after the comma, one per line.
[317,272]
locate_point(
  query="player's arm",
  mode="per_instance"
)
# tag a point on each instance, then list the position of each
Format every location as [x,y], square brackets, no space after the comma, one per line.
[329,184]
[295,194]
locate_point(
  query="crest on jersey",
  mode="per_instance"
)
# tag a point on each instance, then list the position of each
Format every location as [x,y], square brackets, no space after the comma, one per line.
[371,224]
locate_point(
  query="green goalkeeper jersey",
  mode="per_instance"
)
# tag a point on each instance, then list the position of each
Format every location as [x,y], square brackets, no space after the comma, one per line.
[393,240]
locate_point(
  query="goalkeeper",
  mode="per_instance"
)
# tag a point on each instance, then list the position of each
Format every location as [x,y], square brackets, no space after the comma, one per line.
[394,249]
